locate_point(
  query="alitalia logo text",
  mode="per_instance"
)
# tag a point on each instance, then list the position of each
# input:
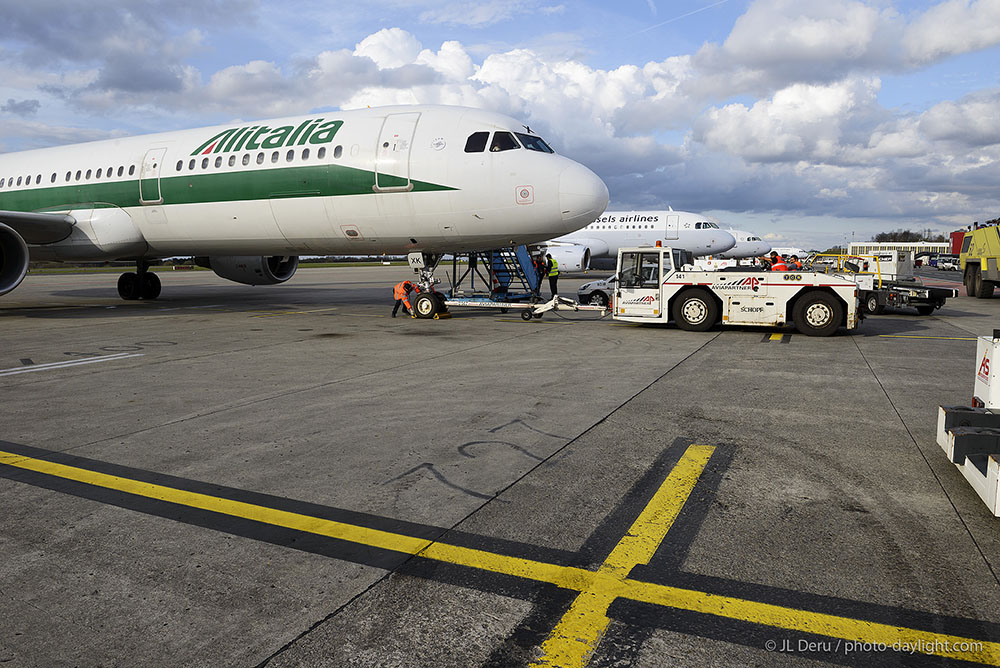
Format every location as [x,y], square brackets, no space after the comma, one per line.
[311,131]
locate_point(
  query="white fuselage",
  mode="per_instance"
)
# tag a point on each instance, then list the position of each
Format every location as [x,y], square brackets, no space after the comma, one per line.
[747,245]
[616,229]
[381,180]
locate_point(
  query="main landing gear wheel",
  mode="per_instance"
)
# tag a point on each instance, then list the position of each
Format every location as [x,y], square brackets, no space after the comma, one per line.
[695,311]
[128,286]
[817,314]
[150,286]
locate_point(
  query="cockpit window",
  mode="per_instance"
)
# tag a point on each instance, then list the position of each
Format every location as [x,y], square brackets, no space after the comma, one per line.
[706,226]
[476,143]
[503,141]
[533,143]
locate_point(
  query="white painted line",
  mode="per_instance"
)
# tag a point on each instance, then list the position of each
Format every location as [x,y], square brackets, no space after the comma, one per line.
[62,365]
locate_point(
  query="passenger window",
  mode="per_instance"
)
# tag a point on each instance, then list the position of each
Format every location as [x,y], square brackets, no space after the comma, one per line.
[180,165]
[290,156]
[337,151]
[191,163]
[38,179]
[19,179]
[69,175]
[246,159]
[53,178]
[204,163]
[476,143]
[321,153]
[232,160]
[218,162]
[78,175]
[260,158]
[305,154]
[131,170]
[121,170]
[503,141]
[88,175]
[274,157]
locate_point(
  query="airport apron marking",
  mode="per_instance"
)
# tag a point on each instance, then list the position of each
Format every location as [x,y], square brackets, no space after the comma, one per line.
[62,365]
[623,587]
[913,336]
[776,338]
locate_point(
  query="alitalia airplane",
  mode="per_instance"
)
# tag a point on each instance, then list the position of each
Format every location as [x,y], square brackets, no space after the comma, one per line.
[248,199]
[596,245]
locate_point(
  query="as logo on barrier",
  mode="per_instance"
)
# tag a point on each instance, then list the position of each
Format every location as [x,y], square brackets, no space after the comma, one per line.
[984,369]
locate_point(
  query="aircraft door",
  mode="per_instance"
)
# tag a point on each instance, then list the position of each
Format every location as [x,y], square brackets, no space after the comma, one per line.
[392,156]
[673,224]
[639,293]
[149,177]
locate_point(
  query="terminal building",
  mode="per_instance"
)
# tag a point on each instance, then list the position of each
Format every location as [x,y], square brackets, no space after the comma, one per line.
[915,247]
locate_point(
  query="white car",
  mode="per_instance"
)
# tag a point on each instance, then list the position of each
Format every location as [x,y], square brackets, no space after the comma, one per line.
[947,264]
[597,293]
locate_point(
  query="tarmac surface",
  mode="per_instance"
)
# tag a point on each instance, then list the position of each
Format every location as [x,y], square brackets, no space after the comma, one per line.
[286,476]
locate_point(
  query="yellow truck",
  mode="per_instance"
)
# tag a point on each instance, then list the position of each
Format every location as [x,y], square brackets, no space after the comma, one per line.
[978,259]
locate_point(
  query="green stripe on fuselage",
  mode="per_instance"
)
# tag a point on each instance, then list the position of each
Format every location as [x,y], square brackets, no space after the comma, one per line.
[201,188]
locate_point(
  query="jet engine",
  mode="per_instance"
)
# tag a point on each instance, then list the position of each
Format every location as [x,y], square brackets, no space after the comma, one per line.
[13,259]
[251,269]
[570,258]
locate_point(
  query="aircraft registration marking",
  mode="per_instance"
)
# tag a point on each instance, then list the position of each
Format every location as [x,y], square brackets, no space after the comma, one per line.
[596,589]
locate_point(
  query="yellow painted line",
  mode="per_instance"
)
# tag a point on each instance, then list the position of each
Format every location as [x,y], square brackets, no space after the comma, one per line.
[270,314]
[775,337]
[601,585]
[579,632]
[945,338]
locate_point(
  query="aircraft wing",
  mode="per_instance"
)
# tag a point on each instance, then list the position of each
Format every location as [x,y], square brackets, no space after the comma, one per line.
[39,228]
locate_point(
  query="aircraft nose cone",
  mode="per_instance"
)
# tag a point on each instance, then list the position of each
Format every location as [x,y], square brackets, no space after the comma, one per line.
[582,196]
[721,242]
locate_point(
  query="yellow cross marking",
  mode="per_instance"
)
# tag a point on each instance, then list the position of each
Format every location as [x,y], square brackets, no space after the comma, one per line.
[575,638]
[609,582]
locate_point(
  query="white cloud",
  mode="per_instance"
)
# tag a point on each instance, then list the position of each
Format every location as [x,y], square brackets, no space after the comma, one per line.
[952,27]
[389,47]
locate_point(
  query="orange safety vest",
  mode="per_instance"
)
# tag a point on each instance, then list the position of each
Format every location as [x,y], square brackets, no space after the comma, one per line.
[399,290]
[779,265]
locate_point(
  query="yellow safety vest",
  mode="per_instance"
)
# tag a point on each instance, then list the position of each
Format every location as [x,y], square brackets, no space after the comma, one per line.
[554,271]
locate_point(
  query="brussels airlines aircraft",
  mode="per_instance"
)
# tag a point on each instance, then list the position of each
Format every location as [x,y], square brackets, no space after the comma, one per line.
[747,245]
[248,199]
[597,244]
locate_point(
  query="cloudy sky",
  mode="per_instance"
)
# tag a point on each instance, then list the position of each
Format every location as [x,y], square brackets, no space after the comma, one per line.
[810,122]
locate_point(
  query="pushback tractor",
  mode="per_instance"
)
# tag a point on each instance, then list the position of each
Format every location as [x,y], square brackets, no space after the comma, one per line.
[659,284]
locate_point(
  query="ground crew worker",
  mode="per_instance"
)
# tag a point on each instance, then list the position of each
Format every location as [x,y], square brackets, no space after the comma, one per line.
[795,264]
[777,264]
[552,270]
[401,291]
